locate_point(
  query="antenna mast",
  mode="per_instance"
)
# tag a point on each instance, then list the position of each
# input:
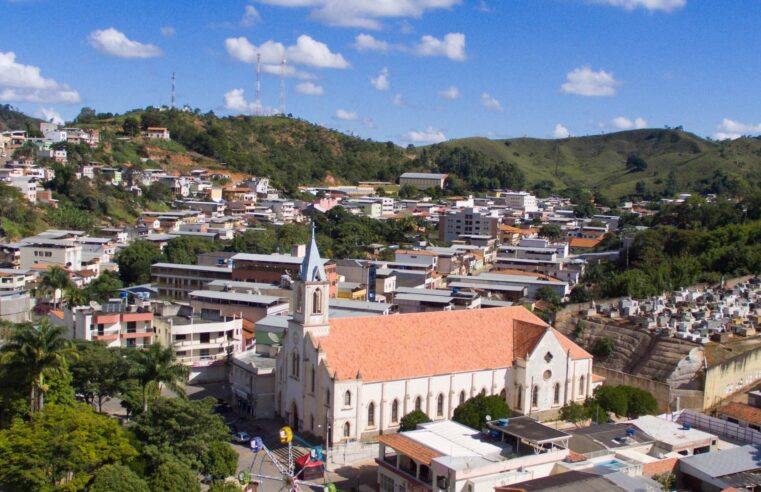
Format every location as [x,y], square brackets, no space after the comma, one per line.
[173,87]
[282,87]
[258,103]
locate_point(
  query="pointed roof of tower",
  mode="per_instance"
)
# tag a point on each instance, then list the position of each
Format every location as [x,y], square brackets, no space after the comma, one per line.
[312,268]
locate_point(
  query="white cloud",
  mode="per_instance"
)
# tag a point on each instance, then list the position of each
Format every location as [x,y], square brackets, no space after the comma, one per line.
[450,92]
[115,43]
[306,51]
[344,115]
[168,31]
[624,123]
[584,81]
[235,100]
[310,89]
[560,132]
[365,14]
[366,42]
[49,114]
[398,100]
[381,82]
[651,5]
[484,7]
[490,102]
[250,16]
[25,83]
[428,136]
[368,122]
[731,129]
[452,46]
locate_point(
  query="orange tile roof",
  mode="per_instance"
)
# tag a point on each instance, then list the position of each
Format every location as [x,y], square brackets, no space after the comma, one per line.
[416,252]
[597,377]
[510,271]
[574,457]
[580,242]
[741,411]
[517,230]
[471,339]
[410,448]
[57,313]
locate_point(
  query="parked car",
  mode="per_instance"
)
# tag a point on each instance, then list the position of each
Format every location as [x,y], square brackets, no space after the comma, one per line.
[241,438]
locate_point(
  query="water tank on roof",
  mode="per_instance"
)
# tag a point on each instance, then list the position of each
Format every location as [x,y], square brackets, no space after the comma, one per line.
[123,294]
[504,422]
[686,426]
[630,432]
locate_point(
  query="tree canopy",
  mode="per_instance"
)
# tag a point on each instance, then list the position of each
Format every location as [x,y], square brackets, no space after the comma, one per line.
[473,412]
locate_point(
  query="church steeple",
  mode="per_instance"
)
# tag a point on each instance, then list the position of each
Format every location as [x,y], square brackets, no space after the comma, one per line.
[312,269]
[312,292]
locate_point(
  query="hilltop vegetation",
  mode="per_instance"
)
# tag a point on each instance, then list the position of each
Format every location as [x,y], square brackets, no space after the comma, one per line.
[647,163]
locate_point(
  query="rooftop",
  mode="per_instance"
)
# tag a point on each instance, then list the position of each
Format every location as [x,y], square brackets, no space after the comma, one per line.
[235,297]
[727,461]
[528,429]
[670,432]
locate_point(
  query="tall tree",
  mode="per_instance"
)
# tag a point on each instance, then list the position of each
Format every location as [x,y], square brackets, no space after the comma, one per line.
[135,262]
[74,297]
[40,351]
[98,373]
[473,412]
[157,367]
[54,281]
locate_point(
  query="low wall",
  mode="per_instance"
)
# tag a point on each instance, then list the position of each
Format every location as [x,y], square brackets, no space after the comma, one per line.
[661,391]
[719,427]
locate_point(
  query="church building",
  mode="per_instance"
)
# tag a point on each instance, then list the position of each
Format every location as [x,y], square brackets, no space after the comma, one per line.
[352,378]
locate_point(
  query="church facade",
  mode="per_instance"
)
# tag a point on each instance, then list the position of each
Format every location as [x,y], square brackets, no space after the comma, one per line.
[351,378]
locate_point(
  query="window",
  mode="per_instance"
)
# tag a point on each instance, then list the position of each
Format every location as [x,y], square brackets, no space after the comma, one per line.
[440,405]
[204,338]
[462,397]
[547,375]
[327,397]
[395,411]
[418,404]
[347,430]
[386,484]
[371,415]
[295,364]
[503,394]
[312,379]
[317,302]
[347,399]
[556,397]
[535,396]
[519,397]
[582,387]
[180,337]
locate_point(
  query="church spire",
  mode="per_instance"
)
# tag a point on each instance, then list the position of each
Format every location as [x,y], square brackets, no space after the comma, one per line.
[312,269]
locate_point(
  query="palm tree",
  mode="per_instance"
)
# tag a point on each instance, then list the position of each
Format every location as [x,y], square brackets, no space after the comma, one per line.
[156,367]
[74,297]
[53,280]
[37,351]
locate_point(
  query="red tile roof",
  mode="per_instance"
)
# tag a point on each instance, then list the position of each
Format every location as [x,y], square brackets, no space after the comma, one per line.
[580,242]
[410,448]
[742,412]
[387,348]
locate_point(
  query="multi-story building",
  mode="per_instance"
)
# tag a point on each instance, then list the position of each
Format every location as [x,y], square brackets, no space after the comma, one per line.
[274,268]
[15,280]
[423,181]
[251,307]
[466,222]
[117,324]
[27,186]
[156,133]
[65,253]
[177,281]
[519,200]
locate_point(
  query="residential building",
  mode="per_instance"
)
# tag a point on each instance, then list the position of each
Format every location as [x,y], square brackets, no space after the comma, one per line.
[468,221]
[177,281]
[157,133]
[496,282]
[252,379]
[39,250]
[27,186]
[519,200]
[729,469]
[116,323]
[423,181]
[251,307]
[276,268]
[16,306]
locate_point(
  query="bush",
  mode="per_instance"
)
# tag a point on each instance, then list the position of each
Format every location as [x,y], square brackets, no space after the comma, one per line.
[117,478]
[603,347]
[473,412]
[573,412]
[411,420]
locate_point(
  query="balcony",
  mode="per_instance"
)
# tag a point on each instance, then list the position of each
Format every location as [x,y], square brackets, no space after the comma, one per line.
[137,334]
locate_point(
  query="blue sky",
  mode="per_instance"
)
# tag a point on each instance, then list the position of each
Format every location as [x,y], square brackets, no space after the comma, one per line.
[411,71]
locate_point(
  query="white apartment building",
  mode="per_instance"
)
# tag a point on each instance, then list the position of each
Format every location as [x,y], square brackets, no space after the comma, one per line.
[470,221]
[63,253]
[27,186]
[520,200]
[116,324]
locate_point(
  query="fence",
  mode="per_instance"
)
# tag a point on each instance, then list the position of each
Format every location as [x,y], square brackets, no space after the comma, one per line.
[719,427]
[350,453]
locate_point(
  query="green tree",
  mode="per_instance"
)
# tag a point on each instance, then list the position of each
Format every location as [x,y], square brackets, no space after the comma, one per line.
[135,262]
[74,297]
[98,373]
[573,412]
[579,294]
[254,241]
[612,399]
[473,411]
[408,191]
[553,232]
[639,402]
[221,460]
[173,476]
[411,420]
[188,430]
[53,282]
[603,347]
[103,287]
[548,294]
[186,249]
[157,367]
[131,126]
[86,115]
[60,447]
[39,351]
[117,478]
[666,479]
[225,487]
[635,163]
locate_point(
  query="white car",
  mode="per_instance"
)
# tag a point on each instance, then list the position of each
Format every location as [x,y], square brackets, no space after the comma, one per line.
[241,438]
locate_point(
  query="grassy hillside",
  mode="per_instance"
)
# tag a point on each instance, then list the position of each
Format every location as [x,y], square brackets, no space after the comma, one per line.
[599,162]
[11,119]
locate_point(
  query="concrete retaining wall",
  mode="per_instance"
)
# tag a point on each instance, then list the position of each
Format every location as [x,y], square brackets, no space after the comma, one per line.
[731,376]
[661,391]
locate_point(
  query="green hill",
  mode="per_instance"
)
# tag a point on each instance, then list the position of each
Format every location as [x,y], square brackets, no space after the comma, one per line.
[12,119]
[599,162]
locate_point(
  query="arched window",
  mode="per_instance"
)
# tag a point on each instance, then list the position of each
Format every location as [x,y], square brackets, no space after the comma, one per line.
[535,396]
[295,364]
[395,411]
[313,379]
[347,430]
[371,415]
[440,405]
[418,403]
[462,397]
[556,396]
[299,301]
[317,301]
[582,387]
[327,397]
[347,399]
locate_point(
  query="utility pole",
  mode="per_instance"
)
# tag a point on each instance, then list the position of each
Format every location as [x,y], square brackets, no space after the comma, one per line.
[282,87]
[173,89]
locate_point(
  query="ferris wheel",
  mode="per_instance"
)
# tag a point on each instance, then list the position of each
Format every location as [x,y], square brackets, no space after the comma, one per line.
[290,474]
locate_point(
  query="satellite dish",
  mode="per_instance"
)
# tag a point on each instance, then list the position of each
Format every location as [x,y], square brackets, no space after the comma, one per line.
[95,305]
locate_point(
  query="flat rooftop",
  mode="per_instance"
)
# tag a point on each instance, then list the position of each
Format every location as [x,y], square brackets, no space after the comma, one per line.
[670,432]
[528,429]
[605,436]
